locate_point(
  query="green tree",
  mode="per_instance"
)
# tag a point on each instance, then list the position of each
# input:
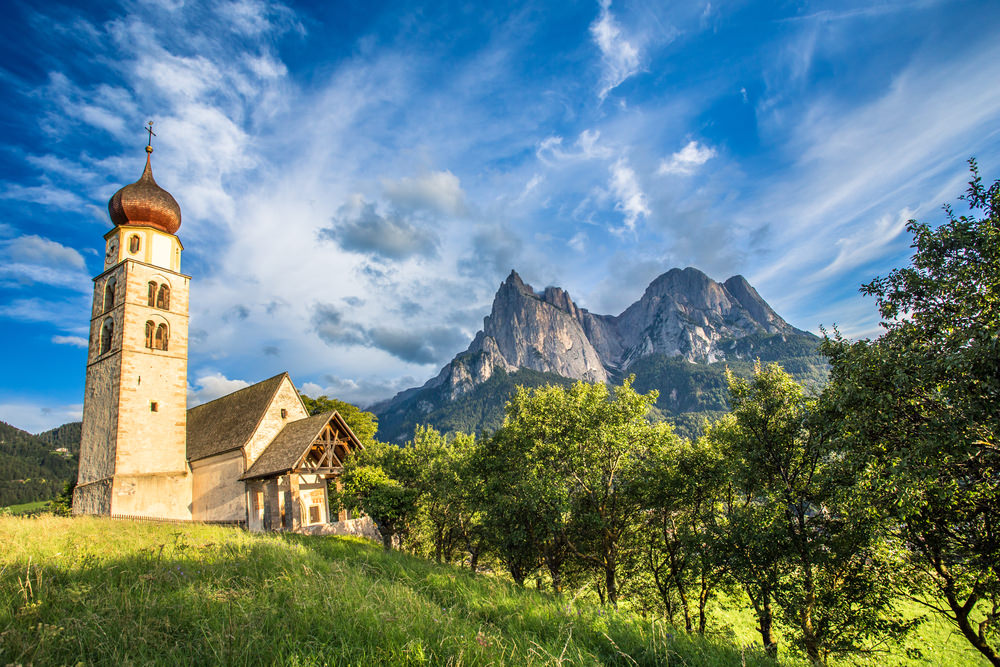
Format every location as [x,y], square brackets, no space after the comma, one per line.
[523,506]
[827,554]
[920,406]
[440,485]
[364,424]
[683,495]
[586,446]
[381,482]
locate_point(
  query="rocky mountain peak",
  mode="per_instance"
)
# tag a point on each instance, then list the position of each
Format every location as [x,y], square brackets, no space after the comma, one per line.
[514,281]
[682,313]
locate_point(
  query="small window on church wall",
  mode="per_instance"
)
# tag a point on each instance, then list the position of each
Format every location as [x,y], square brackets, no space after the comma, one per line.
[151,298]
[284,413]
[133,244]
[109,294]
[150,331]
[107,333]
[154,406]
[314,514]
[163,298]
[160,340]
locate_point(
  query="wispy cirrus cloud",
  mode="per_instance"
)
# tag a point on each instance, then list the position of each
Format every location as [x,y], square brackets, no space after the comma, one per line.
[620,56]
[630,199]
[687,159]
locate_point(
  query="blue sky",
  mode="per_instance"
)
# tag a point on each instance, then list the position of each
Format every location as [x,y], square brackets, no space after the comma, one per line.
[356,178]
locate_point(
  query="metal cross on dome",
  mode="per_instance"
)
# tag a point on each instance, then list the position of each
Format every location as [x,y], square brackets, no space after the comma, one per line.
[149,128]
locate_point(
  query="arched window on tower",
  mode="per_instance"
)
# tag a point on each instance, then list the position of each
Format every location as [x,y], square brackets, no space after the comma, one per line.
[163,297]
[133,244]
[150,331]
[151,299]
[160,341]
[107,333]
[109,294]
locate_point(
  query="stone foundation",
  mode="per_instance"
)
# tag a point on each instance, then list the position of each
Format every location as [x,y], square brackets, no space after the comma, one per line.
[363,527]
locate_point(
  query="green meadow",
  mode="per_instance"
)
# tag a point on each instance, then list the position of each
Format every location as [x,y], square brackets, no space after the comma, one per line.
[95,591]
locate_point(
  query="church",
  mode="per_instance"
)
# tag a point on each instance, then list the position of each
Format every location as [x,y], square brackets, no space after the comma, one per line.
[254,457]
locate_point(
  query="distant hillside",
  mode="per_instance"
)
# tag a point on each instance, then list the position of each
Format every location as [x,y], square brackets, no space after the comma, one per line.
[480,408]
[678,338]
[67,435]
[35,467]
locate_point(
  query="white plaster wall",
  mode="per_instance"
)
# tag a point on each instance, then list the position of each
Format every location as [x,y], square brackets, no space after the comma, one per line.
[271,424]
[217,492]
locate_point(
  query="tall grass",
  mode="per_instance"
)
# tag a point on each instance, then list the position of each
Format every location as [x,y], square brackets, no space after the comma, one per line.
[113,592]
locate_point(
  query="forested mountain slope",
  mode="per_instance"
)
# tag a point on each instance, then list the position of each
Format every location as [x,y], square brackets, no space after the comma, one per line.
[678,338]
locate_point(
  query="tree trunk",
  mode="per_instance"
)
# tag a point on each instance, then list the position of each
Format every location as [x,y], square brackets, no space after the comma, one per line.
[611,584]
[765,619]
[702,602]
[684,604]
[962,620]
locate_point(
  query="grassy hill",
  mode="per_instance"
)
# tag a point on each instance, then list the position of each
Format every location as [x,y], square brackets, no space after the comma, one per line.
[35,467]
[95,591]
[110,592]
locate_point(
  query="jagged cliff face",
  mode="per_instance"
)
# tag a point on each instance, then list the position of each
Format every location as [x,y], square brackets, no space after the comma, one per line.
[683,313]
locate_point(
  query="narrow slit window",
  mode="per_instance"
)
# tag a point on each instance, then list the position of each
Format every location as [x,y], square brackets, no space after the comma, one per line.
[284,413]
[160,341]
[154,406]
[163,297]
[151,298]
[107,333]
[150,331]
[109,294]
[133,244]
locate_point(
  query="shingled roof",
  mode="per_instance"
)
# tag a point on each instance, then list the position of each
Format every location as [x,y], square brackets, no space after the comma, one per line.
[294,440]
[229,422]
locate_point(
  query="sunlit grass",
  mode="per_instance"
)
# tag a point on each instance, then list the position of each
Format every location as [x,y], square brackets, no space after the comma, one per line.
[111,592]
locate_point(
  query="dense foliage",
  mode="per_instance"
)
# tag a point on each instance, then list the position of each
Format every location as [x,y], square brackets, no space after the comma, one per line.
[31,467]
[918,410]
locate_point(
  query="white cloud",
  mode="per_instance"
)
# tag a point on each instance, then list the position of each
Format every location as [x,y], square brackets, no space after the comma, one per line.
[587,147]
[75,341]
[64,314]
[438,191]
[687,159]
[630,199]
[578,242]
[45,195]
[36,418]
[210,386]
[620,56]
[864,244]
[31,259]
[34,249]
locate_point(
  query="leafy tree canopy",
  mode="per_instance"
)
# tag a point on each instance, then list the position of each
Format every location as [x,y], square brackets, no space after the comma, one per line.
[920,407]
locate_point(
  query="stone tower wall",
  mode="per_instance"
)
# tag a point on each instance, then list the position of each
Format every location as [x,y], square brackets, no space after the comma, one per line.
[133,458]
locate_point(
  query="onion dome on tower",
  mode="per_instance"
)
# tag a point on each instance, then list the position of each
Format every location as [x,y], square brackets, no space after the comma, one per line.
[145,203]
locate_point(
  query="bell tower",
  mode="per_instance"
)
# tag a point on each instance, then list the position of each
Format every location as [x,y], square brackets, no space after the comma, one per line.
[133,447]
